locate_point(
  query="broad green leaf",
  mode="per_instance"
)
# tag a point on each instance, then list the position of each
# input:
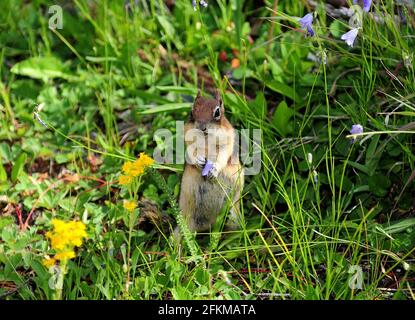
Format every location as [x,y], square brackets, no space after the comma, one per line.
[42,68]
[3,174]
[378,184]
[358,166]
[337,28]
[276,70]
[281,118]
[5,152]
[5,221]
[18,166]
[283,89]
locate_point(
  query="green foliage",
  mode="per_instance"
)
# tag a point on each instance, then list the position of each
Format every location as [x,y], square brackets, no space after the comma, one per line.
[112,76]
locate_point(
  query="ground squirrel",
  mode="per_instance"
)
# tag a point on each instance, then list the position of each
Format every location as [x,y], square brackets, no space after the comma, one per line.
[213,174]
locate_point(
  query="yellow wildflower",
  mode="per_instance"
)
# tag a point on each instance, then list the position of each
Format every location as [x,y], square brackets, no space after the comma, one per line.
[127,167]
[49,262]
[129,205]
[145,160]
[125,179]
[65,255]
[137,167]
[66,234]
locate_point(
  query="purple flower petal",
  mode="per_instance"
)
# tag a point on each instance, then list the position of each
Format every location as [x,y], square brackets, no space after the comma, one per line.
[356,129]
[366,4]
[349,37]
[307,20]
[203,3]
[310,31]
[207,168]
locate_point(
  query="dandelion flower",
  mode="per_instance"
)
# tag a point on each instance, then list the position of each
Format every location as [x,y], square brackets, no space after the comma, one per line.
[129,205]
[306,22]
[350,37]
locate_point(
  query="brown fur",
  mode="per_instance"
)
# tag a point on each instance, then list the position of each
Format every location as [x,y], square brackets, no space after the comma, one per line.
[201,198]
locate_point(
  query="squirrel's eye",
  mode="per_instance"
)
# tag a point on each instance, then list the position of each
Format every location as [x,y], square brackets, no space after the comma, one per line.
[216,114]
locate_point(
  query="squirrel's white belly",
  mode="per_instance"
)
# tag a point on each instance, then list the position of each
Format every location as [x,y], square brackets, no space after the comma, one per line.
[204,198]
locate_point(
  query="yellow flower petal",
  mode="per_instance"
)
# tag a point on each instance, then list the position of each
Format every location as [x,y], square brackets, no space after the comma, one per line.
[129,205]
[125,180]
[136,168]
[49,262]
[127,167]
[65,255]
[66,234]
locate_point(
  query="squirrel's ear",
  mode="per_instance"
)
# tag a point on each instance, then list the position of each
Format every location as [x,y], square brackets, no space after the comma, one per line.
[218,97]
[199,95]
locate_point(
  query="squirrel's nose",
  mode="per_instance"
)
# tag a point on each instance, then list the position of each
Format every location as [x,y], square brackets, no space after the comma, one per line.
[202,127]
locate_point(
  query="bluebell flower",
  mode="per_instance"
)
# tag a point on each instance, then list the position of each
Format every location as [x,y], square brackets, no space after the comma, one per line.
[203,3]
[356,129]
[208,166]
[306,22]
[350,37]
[366,4]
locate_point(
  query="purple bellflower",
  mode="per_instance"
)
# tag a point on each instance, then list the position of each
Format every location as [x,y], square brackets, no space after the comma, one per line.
[366,4]
[350,37]
[356,129]
[306,22]
[202,3]
[208,166]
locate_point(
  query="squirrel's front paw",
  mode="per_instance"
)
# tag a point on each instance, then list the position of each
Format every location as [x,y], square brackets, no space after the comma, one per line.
[213,172]
[200,162]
